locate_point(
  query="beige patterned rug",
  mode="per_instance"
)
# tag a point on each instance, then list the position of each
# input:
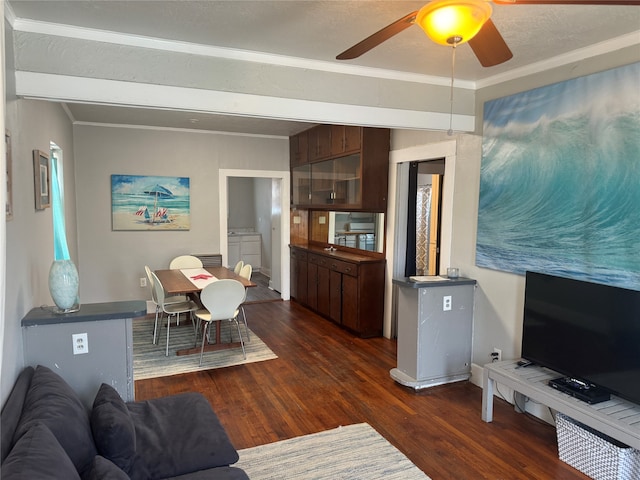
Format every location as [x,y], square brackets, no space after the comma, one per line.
[149,360]
[354,452]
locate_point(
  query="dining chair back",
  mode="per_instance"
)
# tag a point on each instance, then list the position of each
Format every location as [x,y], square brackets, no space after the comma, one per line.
[221,300]
[245,272]
[185,261]
[154,299]
[171,309]
[238,267]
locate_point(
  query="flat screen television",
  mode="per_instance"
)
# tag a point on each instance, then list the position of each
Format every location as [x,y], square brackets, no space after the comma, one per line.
[586,331]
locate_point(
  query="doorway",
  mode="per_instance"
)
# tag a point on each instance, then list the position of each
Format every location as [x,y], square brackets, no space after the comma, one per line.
[423,217]
[279,229]
[396,228]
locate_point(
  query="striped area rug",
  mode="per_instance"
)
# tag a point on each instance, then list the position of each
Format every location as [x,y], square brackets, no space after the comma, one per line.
[354,452]
[149,360]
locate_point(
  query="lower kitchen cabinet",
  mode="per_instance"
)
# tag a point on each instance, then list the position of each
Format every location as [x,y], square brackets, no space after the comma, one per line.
[246,247]
[346,288]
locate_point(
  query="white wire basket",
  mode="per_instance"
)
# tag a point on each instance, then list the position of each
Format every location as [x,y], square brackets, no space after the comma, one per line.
[594,454]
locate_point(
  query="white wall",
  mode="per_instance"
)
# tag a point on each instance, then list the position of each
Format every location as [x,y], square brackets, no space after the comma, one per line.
[111,263]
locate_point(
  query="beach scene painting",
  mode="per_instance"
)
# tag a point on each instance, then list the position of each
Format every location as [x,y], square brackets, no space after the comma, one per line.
[560,180]
[141,202]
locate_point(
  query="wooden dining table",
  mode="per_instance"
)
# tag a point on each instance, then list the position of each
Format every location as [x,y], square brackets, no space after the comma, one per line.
[175,282]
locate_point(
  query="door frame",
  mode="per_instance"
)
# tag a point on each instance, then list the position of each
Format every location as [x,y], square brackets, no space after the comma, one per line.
[398,203]
[283,177]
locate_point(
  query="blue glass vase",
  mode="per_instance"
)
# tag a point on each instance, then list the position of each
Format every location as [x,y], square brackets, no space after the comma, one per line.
[63,285]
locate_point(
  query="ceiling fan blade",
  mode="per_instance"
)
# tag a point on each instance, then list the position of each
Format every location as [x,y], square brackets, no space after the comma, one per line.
[567,2]
[377,38]
[489,46]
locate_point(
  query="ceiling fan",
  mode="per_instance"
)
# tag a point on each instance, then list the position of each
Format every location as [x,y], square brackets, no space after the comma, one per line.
[453,22]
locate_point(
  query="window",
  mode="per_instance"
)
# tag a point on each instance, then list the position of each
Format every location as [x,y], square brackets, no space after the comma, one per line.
[60,247]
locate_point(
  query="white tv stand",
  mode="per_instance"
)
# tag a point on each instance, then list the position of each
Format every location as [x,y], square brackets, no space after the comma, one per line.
[617,418]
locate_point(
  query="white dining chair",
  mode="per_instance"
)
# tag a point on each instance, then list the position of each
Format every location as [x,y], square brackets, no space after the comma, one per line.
[238,267]
[185,261]
[245,272]
[172,309]
[154,299]
[221,302]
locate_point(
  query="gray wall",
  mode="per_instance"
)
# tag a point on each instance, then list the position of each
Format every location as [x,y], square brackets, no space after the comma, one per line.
[111,263]
[32,125]
[242,213]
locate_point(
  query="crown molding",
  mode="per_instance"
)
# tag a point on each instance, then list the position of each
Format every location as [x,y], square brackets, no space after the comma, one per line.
[618,43]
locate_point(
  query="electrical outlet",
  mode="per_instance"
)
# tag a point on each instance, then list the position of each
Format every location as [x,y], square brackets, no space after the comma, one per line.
[446,303]
[496,356]
[143,282]
[80,343]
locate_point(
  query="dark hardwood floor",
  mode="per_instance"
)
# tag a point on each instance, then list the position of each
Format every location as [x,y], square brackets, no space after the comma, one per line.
[324,377]
[261,293]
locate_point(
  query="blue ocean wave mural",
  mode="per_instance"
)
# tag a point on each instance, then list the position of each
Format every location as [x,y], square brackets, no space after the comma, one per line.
[560,180]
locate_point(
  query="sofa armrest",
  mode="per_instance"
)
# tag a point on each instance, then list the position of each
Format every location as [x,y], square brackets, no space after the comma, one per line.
[180,434]
[12,410]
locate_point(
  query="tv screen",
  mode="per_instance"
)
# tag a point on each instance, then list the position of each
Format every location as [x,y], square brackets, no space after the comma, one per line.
[586,331]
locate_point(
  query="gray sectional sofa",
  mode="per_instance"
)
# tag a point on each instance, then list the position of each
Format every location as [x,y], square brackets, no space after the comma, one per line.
[47,433]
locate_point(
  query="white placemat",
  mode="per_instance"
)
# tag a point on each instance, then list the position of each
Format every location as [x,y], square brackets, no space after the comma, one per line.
[198,276]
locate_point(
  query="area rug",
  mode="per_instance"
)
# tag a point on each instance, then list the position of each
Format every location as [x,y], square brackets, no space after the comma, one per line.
[149,360]
[354,452]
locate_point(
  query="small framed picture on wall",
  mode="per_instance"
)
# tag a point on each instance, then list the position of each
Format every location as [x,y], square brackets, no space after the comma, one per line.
[41,179]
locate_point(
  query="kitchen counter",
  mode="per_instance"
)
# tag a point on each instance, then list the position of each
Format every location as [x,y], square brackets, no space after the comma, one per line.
[240,234]
[338,254]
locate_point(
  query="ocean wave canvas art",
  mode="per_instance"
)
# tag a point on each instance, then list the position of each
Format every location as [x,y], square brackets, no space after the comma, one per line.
[141,202]
[560,180]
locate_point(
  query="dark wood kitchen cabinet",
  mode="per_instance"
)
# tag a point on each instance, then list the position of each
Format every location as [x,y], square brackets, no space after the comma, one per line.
[348,169]
[299,275]
[319,142]
[345,288]
[345,139]
[299,149]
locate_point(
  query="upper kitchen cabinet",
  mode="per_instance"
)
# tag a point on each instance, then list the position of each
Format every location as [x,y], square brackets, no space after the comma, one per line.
[352,176]
[299,149]
[319,142]
[345,139]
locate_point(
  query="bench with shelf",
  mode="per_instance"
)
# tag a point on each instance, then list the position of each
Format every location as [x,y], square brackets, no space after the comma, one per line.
[617,418]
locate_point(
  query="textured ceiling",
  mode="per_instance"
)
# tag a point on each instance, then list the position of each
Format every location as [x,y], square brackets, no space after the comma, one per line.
[319,30]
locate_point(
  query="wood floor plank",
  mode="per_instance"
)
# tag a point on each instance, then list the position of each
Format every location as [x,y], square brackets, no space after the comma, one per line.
[324,377]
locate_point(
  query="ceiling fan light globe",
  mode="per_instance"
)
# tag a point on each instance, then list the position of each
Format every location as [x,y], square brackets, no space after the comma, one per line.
[444,20]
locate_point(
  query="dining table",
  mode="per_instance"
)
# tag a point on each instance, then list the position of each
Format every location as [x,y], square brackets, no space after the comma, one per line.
[191,282]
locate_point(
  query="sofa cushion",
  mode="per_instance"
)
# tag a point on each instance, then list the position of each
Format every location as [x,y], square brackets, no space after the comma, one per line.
[104,469]
[12,409]
[51,401]
[180,434]
[112,427]
[37,454]
[219,473]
